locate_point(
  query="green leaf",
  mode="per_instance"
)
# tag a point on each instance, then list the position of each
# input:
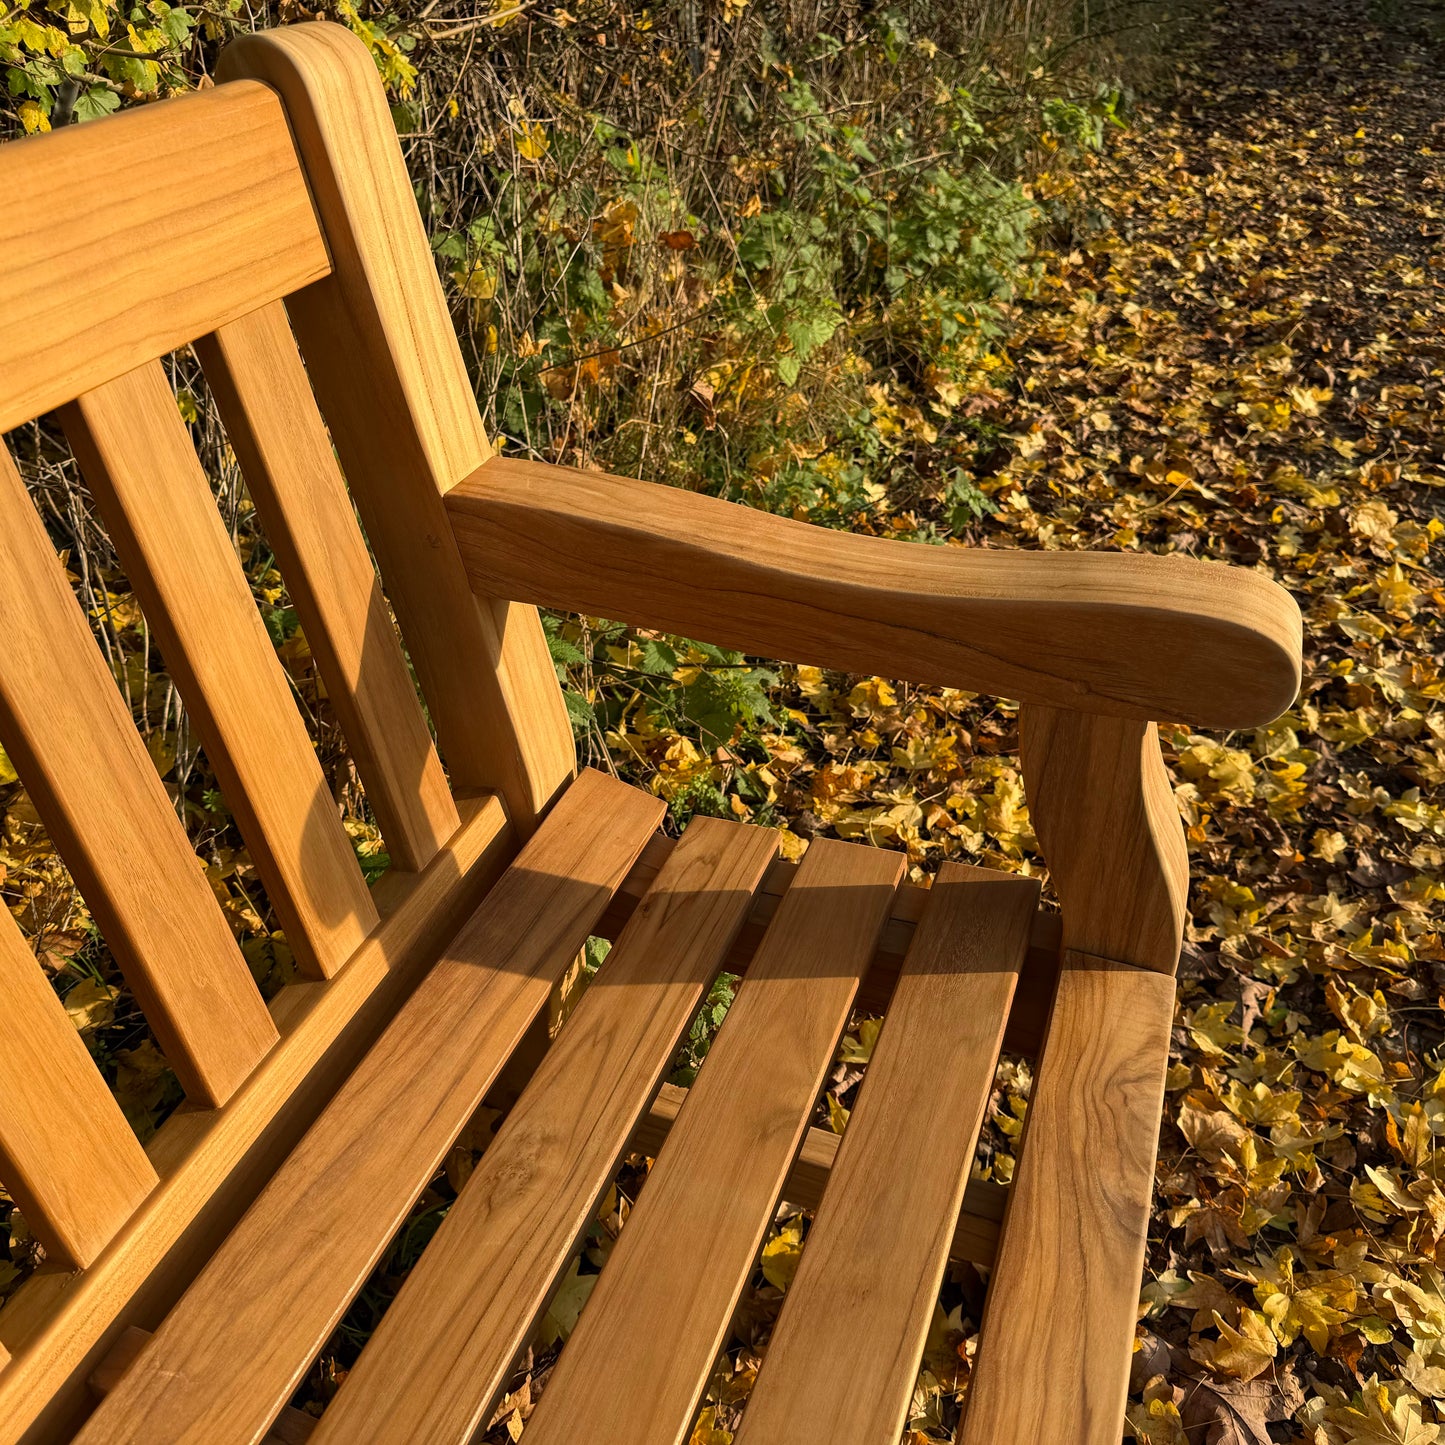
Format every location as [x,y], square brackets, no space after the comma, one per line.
[579,711]
[658,659]
[95,101]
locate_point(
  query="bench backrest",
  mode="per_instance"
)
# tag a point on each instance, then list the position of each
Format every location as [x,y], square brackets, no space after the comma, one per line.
[270,222]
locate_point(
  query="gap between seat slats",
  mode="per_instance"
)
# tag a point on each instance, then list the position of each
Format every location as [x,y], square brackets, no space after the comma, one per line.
[70,734]
[67,1155]
[137,457]
[255,372]
[228,1355]
[843,1358]
[646,1342]
[1027,1018]
[445,1346]
[1064,1292]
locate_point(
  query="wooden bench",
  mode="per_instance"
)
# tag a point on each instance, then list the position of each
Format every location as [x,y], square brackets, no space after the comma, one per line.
[269,222]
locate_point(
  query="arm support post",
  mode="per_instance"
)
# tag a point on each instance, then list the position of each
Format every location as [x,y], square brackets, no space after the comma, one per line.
[1104,815]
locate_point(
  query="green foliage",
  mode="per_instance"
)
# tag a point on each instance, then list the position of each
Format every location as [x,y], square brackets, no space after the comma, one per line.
[76,60]
[703,1030]
[1083,123]
[79,59]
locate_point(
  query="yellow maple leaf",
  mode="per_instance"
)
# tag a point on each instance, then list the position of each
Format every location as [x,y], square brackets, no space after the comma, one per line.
[1242,1352]
[781,1255]
[707,1431]
[532,141]
[91,1004]
[33,118]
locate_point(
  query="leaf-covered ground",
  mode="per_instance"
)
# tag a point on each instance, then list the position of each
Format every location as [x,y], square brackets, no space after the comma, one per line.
[1248,365]
[1237,355]
[1245,362]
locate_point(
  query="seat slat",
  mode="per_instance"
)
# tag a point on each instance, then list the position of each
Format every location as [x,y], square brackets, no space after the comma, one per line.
[213,1162]
[67,1155]
[255,371]
[63,721]
[1064,1292]
[443,1349]
[975,1236]
[172,251]
[229,1355]
[292,1427]
[843,1359]
[137,457]
[645,1344]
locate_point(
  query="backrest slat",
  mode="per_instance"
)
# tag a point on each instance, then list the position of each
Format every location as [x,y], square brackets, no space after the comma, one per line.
[270,222]
[67,729]
[67,1155]
[256,375]
[186,215]
[383,360]
[136,454]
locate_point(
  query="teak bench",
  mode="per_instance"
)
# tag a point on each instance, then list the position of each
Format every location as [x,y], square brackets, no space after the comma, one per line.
[188,1286]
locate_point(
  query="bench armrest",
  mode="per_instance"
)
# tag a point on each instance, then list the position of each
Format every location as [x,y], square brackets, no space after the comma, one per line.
[1123,635]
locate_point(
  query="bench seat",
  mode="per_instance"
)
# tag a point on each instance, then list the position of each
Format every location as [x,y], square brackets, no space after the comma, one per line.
[845,1355]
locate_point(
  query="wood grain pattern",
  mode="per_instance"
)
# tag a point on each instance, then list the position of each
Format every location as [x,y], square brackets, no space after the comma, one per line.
[171,251]
[384,362]
[213,1162]
[67,1155]
[137,457]
[228,1356]
[975,1236]
[64,723]
[443,1350]
[843,1358]
[1121,635]
[292,1426]
[641,1353]
[1064,1292]
[256,375]
[1103,810]
[1026,1020]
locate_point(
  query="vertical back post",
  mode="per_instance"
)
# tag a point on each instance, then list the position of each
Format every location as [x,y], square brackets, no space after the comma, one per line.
[389,376]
